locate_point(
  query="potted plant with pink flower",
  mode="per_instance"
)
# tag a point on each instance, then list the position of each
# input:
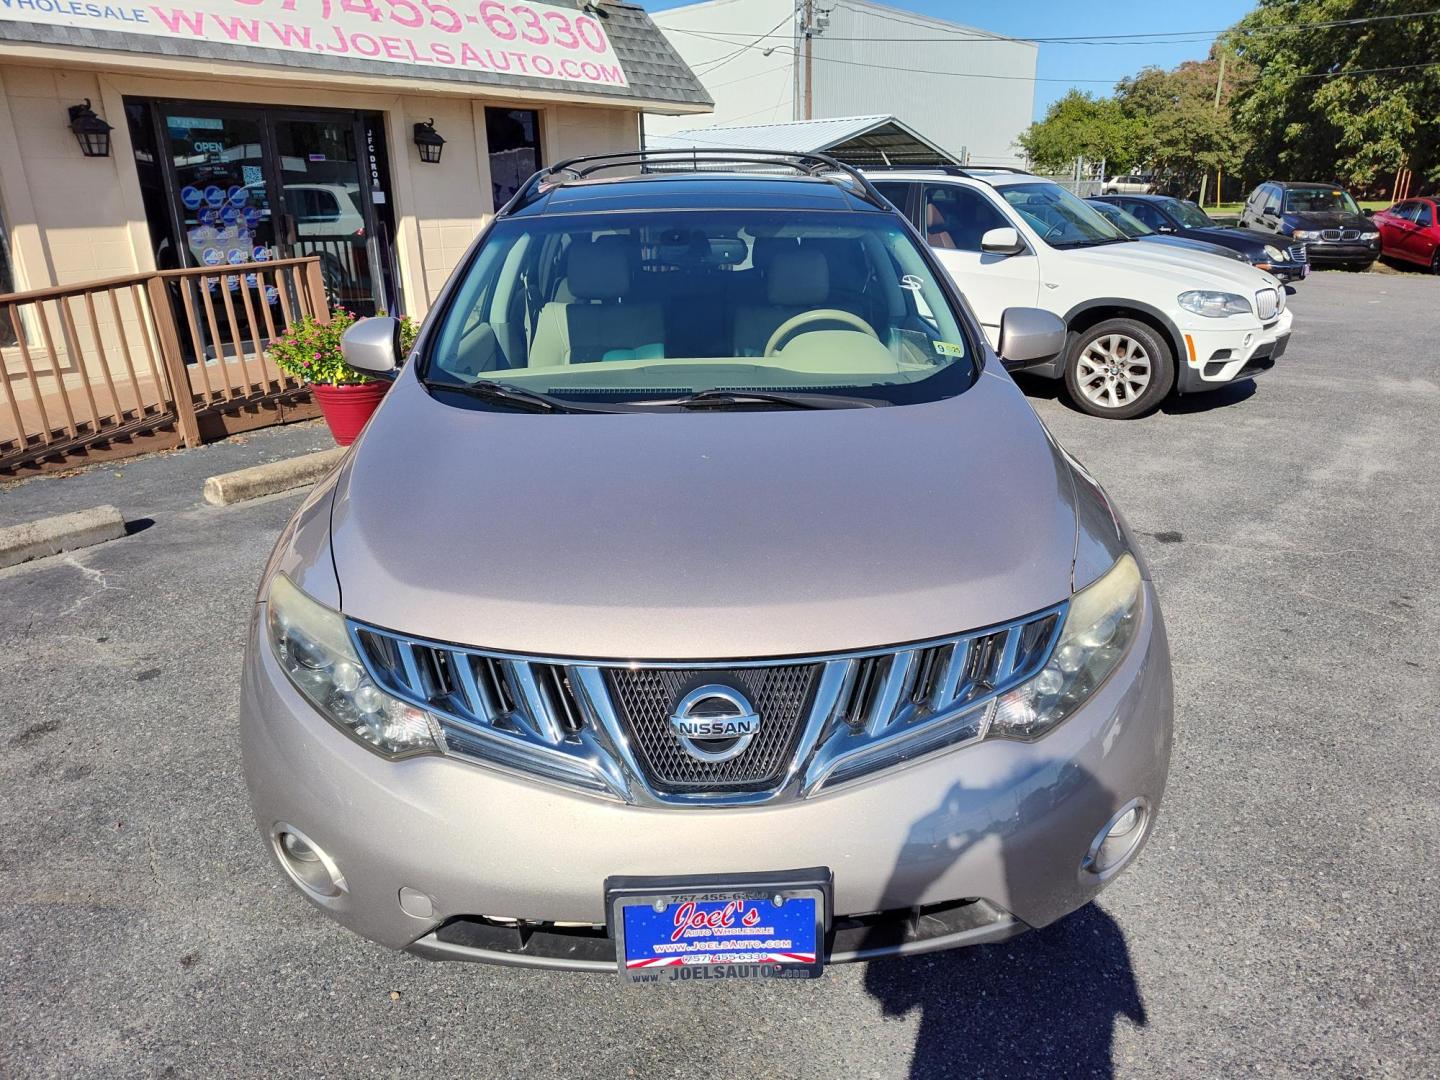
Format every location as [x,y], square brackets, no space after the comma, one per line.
[309,350]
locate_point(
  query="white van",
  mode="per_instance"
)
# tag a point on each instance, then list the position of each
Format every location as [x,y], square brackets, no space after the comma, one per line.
[1142,320]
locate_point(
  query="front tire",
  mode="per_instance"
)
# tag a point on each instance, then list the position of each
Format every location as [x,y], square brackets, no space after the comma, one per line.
[1118,369]
[1435,261]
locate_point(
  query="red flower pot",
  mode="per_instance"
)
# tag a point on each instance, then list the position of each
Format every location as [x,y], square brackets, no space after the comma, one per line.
[347,408]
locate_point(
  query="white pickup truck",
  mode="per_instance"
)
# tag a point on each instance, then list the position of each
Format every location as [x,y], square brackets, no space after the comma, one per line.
[1143,320]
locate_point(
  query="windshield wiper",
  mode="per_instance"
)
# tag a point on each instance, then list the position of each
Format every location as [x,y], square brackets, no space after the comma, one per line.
[720,397]
[517,397]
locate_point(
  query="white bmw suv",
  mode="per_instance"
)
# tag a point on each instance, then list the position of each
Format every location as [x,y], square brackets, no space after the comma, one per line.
[1143,320]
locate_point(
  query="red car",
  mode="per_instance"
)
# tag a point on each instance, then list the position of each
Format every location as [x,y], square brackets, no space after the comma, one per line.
[1410,230]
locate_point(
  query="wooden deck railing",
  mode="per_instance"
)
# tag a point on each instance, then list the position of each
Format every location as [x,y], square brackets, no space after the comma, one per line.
[148,361]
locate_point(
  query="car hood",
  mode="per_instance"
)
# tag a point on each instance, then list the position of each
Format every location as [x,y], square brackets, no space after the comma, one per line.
[1188,244]
[703,535]
[1331,219]
[1236,239]
[1179,268]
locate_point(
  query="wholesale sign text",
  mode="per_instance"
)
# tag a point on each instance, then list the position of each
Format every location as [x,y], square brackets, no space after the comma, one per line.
[536,40]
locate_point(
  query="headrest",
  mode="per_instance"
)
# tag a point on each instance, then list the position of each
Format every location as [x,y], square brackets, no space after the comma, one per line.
[767,247]
[799,279]
[600,270]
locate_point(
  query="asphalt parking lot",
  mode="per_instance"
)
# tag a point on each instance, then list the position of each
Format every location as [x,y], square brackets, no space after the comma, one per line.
[1283,920]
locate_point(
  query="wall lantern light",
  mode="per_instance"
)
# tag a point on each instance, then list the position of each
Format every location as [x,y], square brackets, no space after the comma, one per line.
[429,141]
[91,132]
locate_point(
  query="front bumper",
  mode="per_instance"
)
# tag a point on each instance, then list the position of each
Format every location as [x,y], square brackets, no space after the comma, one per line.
[1342,251]
[1286,272]
[1218,357]
[1000,825]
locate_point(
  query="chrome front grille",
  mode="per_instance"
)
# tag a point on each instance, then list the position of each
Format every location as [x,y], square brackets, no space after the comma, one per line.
[1340,234]
[1267,304]
[644,698]
[605,726]
[1297,253]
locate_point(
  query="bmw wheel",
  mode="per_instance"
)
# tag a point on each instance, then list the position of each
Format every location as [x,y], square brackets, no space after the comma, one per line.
[1118,369]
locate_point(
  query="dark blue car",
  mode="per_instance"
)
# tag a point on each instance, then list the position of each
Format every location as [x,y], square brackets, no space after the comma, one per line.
[1176,217]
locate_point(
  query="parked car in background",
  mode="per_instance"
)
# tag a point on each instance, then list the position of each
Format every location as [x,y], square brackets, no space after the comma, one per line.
[1410,231]
[1143,319]
[1126,185]
[1136,229]
[664,716]
[1322,216]
[1170,216]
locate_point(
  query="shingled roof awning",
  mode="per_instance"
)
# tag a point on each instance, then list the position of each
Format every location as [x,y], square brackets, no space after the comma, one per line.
[656,75]
[855,140]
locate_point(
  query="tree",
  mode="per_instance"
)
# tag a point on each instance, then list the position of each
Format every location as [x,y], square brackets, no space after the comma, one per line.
[1184,131]
[1079,125]
[1321,111]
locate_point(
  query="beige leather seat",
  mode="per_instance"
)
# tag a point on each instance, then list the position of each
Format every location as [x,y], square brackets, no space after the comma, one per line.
[798,281]
[599,321]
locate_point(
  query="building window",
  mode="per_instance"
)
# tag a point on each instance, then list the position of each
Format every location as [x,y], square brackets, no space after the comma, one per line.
[513,136]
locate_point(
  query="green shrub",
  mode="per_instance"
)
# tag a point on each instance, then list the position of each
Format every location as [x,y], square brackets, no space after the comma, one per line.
[310,350]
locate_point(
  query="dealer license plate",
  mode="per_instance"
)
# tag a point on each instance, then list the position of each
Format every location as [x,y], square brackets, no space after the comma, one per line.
[751,926]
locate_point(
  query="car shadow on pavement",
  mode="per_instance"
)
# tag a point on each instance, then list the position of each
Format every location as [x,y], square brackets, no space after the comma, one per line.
[1174,405]
[1042,1004]
[1229,394]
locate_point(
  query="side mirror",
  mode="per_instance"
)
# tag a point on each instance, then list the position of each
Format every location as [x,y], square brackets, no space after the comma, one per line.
[1030,334]
[1268,213]
[373,346]
[1004,241]
[1368,212]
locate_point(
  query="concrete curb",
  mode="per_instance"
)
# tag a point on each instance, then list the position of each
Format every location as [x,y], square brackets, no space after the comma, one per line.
[63,532]
[258,480]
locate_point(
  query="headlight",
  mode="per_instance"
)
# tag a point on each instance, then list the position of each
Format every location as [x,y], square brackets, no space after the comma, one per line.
[314,648]
[1274,254]
[1306,234]
[1098,629]
[1213,305]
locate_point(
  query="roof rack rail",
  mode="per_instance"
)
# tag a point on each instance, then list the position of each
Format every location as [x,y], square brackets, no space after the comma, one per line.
[948,170]
[810,164]
[970,172]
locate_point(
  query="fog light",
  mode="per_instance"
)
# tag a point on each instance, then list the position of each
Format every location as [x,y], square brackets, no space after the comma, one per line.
[307,864]
[1117,841]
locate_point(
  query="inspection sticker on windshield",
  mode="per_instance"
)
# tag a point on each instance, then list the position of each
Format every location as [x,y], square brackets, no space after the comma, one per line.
[769,928]
[948,348]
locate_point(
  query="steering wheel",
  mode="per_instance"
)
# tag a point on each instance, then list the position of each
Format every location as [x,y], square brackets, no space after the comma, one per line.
[1054,230]
[790,325]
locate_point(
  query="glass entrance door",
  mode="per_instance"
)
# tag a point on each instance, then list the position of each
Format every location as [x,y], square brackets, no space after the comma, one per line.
[324,207]
[222,199]
[251,184]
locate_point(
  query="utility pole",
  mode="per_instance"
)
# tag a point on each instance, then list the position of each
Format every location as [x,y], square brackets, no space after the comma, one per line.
[808,29]
[1205,176]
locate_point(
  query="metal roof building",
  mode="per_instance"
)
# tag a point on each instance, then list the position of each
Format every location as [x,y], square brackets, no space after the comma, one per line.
[971,92]
[857,140]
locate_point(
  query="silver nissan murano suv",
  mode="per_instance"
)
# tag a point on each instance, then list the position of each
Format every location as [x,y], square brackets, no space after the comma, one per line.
[704,601]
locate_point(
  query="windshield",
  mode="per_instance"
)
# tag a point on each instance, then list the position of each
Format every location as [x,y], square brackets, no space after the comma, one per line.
[1129,224]
[612,308]
[1188,214]
[1063,220]
[1319,200]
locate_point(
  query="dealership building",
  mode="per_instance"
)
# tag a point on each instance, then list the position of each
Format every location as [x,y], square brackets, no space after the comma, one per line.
[969,91]
[378,134]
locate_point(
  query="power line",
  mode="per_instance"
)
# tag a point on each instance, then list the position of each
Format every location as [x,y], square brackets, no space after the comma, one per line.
[711,67]
[1154,37]
[1038,78]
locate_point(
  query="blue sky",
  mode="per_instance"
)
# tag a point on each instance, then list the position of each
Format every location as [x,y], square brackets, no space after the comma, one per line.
[1070,64]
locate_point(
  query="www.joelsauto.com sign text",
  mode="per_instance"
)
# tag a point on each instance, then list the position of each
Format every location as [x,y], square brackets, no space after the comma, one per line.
[511,39]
